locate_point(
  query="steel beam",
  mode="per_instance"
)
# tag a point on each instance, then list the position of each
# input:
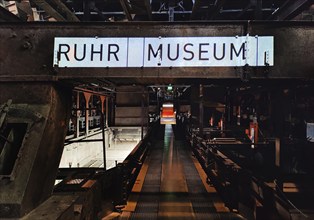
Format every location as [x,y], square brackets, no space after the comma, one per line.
[148,9]
[258,10]
[126,9]
[5,15]
[29,47]
[107,112]
[25,10]
[196,7]
[56,9]
[218,5]
[249,5]
[40,113]
[138,7]
[291,9]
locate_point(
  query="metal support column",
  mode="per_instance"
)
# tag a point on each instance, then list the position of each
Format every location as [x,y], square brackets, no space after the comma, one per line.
[87,97]
[37,125]
[171,14]
[107,111]
[229,105]
[112,112]
[77,127]
[147,116]
[277,152]
[258,13]
[201,116]
[102,124]
[87,10]
[142,114]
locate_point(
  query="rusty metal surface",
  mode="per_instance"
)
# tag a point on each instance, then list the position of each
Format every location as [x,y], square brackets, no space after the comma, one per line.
[57,9]
[5,15]
[290,9]
[293,44]
[44,109]
[56,207]
[27,49]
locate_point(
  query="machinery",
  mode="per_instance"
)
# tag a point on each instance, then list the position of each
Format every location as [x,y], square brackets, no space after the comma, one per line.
[259,161]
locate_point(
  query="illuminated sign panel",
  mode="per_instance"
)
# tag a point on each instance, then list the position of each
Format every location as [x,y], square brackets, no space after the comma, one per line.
[164,52]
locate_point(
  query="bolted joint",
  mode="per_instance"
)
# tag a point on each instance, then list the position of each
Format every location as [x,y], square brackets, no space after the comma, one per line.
[27,45]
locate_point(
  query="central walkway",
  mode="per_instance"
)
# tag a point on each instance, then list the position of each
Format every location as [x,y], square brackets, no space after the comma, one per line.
[172,188]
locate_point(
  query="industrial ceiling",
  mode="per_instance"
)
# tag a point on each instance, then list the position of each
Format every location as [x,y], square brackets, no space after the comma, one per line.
[155,10]
[123,11]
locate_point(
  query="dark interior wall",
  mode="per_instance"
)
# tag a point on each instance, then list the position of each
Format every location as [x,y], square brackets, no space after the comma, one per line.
[131,107]
[212,101]
[129,96]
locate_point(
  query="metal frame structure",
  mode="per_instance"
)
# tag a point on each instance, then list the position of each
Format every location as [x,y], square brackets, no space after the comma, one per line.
[242,189]
[17,40]
[43,91]
[164,10]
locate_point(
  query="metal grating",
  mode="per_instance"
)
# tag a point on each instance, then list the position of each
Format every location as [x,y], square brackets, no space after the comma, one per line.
[203,206]
[147,204]
[154,204]
[143,216]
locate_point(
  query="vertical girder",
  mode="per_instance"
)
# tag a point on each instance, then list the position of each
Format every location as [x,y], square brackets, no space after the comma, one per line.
[126,9]
[258,10]
[34,130]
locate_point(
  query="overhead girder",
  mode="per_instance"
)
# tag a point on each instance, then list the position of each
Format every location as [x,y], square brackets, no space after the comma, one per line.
[257,5]
[56,9]
[137,7]
[198,5]
[145,9]
[290,9]
[247,7]
[24,10]
[29,55]
[126,9]
[258,10]
[5,15]
[218,5]
[212,9]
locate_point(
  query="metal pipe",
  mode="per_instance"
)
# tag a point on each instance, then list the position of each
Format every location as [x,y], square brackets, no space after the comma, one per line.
[277,152]
[87,97]
[142,122]
[201,110]
[103,139]
[107,111]
[84,140]
[77,129]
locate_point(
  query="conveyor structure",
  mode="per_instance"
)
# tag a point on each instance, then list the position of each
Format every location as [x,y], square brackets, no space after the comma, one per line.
[240,143]
[248,178]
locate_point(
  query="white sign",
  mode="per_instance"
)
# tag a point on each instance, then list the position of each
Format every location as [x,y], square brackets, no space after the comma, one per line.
[164,52]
